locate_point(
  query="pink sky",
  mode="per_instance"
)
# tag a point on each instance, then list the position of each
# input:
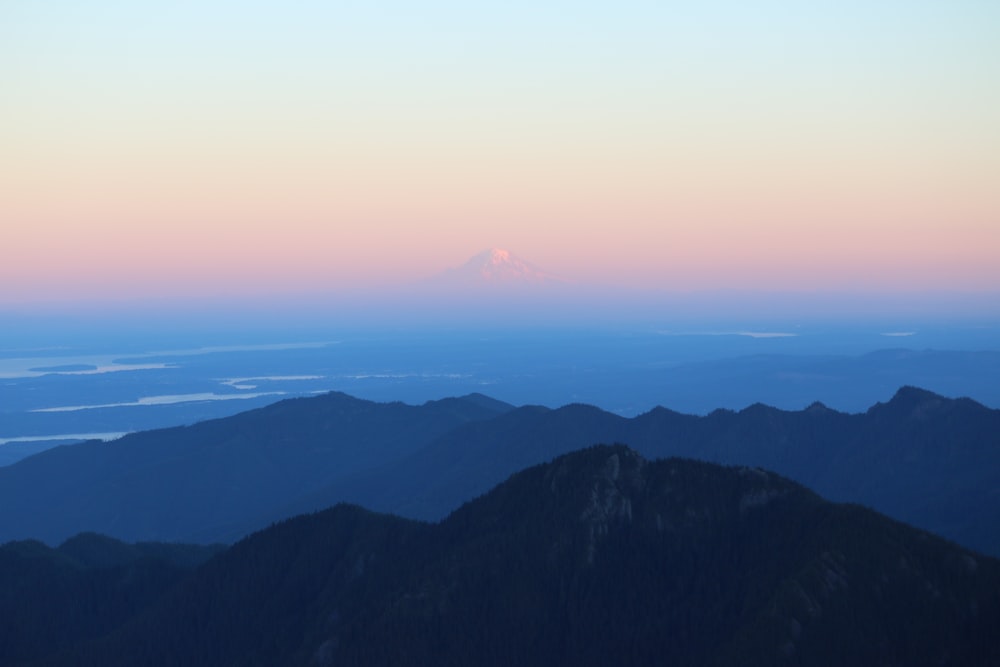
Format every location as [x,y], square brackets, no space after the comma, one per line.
[175,155]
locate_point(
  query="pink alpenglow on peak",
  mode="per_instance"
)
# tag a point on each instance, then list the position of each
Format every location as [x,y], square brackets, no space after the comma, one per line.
[495,287]
[497,267]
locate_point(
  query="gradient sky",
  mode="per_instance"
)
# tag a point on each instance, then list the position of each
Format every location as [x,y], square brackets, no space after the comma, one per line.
[213,147]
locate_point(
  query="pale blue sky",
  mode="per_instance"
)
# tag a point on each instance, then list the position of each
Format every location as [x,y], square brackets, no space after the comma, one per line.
[582,135]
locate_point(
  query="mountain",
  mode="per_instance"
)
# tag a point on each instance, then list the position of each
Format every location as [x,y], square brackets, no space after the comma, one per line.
[496,268]
[200,483]
[52,599]
[598,557]
[921,458]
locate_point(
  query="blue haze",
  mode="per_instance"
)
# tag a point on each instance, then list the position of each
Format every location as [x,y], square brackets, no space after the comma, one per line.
[103,378]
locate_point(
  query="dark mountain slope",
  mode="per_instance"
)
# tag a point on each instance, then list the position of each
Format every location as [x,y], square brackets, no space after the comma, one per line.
[599,557]
[53,599]
[200,482]
[921,458]
[469,460]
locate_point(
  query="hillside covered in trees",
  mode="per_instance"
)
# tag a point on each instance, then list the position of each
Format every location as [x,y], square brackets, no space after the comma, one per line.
[930,461]
[598,557]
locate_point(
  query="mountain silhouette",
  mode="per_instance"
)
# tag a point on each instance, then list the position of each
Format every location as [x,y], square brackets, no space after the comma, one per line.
[52,599]
[931,461]
[495,268]
[200,483]
[921,458]
[598,557]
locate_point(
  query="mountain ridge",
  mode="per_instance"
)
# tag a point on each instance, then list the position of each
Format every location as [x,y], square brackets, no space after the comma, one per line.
[934,466]
[948,489]
[495,268]
[52,598]
[230,469]
[600,556]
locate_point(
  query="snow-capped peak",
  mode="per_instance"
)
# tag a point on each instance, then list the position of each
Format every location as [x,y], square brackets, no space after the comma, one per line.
[497,265]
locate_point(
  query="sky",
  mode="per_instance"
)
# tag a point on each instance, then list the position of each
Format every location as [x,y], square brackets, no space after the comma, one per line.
[234,148]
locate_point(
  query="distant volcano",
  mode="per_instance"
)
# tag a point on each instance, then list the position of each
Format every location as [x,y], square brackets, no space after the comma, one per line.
[496,267]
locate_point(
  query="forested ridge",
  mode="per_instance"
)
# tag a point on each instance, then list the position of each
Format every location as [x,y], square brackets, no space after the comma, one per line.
[598,557]
[930,461]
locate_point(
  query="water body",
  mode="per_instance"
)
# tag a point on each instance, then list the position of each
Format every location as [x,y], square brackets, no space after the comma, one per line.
[63,437]
[85,391]
[169,399]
